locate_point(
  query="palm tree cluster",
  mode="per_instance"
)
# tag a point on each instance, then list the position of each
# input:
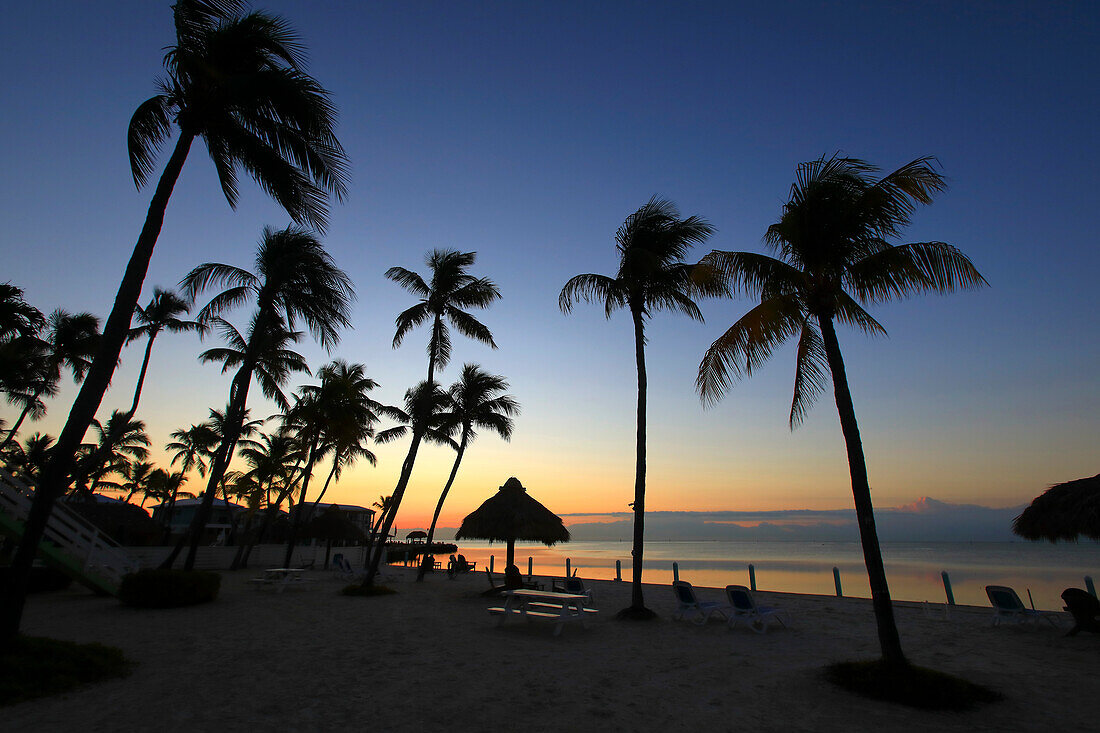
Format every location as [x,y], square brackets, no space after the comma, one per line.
[235,78]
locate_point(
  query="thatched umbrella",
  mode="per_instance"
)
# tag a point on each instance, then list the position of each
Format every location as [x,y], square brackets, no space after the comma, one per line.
[510,515]
[1063,512]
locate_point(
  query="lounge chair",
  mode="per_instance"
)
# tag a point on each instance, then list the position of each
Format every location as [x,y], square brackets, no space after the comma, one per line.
[458,565]
[572,585]
[1007,606]
[743,606]
[1085,610]
[692,608]
[494,589]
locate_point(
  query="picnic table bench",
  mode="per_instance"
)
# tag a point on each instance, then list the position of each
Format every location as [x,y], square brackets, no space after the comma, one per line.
[530,604]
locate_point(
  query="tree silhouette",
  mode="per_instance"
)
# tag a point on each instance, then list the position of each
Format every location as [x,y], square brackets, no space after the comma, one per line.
[651,277]
[237,80]
[834,255]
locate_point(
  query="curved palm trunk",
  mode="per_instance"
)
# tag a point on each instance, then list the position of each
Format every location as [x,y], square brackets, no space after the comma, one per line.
[439,505]
[888,638]
[298,518]
[54,478]
[324,489]
[398,493]
[234,419]
[637,609]
[141,377]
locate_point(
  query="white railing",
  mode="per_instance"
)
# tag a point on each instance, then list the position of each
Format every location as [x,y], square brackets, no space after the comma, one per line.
[94,551]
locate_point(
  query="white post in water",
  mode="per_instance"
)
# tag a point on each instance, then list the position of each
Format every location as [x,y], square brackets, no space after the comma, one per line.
[619,570]
[567,564]
[947,588]
[1090,586]
[752,577]
[530,566]
[836,581]
[491,558]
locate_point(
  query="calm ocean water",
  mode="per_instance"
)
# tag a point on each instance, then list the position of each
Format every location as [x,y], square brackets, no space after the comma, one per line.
[913,569]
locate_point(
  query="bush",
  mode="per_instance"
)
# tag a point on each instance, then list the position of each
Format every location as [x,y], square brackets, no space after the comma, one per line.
[910,685]
[169,588]
[36,667]
[357,589]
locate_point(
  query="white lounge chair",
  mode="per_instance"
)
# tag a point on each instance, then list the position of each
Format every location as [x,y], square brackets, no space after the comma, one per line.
[1007,606]
[743,606]
[692,608]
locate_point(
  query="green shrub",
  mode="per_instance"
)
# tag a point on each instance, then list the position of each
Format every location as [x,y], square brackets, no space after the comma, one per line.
[36,667]
[909,685]
[357,589]
[169,588]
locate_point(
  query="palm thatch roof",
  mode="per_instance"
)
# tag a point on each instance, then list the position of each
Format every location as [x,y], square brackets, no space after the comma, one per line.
[512,514]
[1063,512]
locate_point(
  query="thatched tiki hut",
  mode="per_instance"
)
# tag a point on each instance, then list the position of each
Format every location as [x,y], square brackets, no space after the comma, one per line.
[510,515]
[1063,512]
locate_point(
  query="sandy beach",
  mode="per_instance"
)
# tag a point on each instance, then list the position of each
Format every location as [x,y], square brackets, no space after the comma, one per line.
[432,658]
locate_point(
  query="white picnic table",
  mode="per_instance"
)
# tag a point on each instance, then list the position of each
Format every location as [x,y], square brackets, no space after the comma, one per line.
[546,605]
[281,578]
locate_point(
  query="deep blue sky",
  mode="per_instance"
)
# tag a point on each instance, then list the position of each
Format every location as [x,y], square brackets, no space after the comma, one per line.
[529,131]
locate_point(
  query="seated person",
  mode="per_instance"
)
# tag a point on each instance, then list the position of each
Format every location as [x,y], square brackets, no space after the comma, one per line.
[513,578]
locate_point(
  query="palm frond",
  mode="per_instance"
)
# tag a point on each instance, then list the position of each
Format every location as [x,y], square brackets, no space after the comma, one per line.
[149,128]
[592,288]
[811,373]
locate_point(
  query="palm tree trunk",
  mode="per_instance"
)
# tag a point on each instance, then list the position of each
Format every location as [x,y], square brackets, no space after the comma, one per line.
[331,473]
[298,518]
[888,638]
[234,419]
[141,377]
[398,493]
[637,609]
[439,505]
[54,478]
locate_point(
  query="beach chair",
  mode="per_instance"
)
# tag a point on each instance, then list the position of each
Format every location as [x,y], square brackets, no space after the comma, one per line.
[494,589]
[341,565]
[572,585]
[692,608]
[1085,610]
[1007,606]
[743,606]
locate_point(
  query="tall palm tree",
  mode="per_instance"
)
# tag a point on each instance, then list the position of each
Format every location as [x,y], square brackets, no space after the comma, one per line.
[341,399]
[423,419]
[119,441]
[263,355]
[237,80]
[69,341]
[441,302]
[834,257]
[162,314]
[652,243]
[476,403]
[274,460]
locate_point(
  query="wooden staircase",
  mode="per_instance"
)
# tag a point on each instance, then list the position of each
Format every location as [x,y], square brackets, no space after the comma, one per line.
[70,544]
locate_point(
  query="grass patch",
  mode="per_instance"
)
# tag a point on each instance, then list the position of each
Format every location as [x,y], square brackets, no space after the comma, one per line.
[916,687]
[36,667]
[357,589]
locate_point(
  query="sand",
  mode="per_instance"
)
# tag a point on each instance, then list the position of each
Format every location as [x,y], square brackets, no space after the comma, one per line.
[432,658]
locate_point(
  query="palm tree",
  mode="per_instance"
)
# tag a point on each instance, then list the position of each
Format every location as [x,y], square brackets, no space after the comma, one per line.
[422,418]
[120,441]
[651,277]
[32,455]
[340,403]
[274,459]
[68,343]
[833,258]
[295,279]
[193,447]
[442,301]
[162,314]
[137,476]
[237,80]
[475,402]
[20,324]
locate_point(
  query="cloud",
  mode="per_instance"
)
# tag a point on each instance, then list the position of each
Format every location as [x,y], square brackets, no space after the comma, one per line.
[925,520]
